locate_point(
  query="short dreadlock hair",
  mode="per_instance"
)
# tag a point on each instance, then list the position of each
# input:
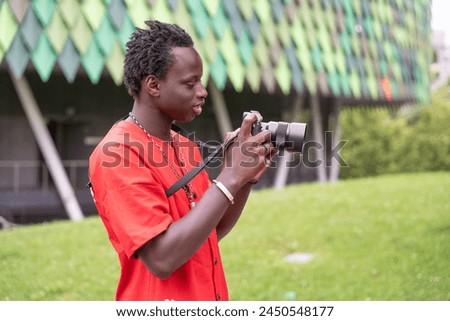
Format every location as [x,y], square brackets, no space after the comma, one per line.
[149,52]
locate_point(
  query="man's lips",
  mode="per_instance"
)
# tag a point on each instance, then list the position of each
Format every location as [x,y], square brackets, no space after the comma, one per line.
[198,109]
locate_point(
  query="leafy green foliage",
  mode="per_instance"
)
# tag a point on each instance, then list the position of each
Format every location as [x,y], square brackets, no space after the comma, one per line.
[379,238]
[383,141]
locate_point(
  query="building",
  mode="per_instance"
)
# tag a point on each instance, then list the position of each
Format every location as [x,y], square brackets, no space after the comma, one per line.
[441,63]
[294,60]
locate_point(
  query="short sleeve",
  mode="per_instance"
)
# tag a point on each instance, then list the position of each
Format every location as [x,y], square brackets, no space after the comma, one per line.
[130,198]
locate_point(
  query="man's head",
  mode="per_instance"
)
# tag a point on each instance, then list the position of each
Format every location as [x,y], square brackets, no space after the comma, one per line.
[149,52]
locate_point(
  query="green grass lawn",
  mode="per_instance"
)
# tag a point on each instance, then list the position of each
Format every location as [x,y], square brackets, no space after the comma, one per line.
[381,238]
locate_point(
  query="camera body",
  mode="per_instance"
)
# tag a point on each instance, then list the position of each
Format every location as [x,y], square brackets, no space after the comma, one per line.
[284,136]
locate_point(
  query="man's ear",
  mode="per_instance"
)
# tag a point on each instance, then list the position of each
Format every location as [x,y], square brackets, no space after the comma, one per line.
[151,84]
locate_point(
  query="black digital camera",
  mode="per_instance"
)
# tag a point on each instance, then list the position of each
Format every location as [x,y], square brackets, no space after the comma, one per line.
[284,136]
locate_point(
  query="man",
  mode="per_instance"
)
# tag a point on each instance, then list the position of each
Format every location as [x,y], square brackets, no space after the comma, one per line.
[168,246]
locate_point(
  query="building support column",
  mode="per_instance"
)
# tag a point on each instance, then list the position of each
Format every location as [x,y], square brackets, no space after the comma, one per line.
[220,109]
[282,171]
[318,135]
[47,147]
[335,166]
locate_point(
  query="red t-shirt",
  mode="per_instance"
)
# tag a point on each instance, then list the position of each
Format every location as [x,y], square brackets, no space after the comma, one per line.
[129,177]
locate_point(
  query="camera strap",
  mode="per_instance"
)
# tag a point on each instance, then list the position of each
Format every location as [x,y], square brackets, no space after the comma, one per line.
[193,172]
[196,170]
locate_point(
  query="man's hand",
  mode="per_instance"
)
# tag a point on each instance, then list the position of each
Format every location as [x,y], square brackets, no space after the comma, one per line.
[247,158]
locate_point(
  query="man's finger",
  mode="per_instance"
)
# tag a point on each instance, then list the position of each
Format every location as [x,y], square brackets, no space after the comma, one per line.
[263,137]
[246,127]
[231,134]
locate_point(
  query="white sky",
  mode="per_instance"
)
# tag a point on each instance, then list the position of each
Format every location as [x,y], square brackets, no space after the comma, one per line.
[440,19]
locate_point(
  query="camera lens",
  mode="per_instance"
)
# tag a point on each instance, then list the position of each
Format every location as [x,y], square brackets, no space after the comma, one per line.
[295,133]
[286,136]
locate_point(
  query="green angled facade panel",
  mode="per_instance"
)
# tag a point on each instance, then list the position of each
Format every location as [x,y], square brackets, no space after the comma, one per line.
[344,48]
[253,75]
[268,79]
[70,10]
[69,61]
[113,63]
[17,56]
[31,30]
[105,35]
[44,57]
[8,26]
[93,11]
[93,61]
[81,34]
[44,10]
[218,71]
[283,75]
[162,11]
[117,11]
[57,32]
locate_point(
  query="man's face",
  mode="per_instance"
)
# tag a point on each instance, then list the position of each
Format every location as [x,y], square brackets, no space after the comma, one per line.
[181,93]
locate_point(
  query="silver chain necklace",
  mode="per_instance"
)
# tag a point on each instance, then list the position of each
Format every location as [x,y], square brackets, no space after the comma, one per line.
[188,187]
